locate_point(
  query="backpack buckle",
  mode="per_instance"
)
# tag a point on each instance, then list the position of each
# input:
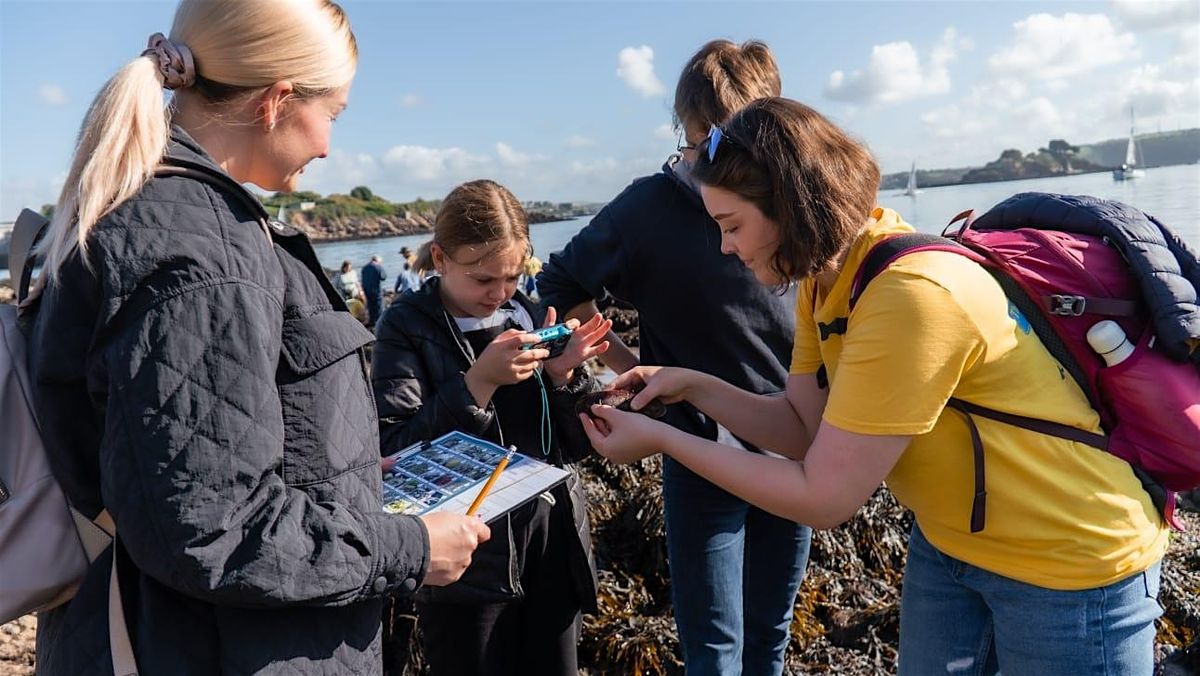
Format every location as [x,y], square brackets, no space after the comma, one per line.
[1067,306]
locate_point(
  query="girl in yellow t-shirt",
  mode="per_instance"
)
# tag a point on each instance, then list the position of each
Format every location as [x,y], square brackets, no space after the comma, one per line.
[1063,577]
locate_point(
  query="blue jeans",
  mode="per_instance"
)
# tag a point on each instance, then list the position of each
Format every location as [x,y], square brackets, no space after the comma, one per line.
[735,570]
[956,618]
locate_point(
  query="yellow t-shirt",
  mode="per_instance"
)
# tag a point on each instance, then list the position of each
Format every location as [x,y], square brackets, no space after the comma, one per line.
[1060,514]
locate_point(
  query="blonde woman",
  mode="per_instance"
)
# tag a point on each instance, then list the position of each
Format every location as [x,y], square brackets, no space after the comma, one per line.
[199,378]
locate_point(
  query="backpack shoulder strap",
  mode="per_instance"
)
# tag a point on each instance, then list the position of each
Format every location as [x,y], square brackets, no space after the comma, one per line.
[884,254]
[31,226]
[889,250]
[26,232]
[176,167]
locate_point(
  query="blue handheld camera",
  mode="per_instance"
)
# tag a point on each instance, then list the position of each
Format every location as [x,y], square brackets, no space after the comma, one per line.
[553,338]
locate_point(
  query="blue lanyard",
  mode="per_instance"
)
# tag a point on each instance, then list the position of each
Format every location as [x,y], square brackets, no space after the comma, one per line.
[546,430]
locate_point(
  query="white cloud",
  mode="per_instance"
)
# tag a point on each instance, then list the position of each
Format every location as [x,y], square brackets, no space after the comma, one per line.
[955,121]
[1157,14]
[404,172]
[1046,47]
[635,66]
[1187,51]
[339,172]
[1153,93]
[1039,114]
[52,94]
[421,163]
[510,157]
[666,132]
[895,73]
[411,100]
[1001,91]
[576,141]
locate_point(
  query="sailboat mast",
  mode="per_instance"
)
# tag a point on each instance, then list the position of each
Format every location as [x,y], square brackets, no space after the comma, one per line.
[1131,148]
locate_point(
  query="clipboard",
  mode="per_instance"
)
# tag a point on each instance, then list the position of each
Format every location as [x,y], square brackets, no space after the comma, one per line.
[445,474]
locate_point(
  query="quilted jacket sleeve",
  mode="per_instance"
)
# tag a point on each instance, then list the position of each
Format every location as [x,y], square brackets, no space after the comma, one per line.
[418,400]
[191,464]
[572,440]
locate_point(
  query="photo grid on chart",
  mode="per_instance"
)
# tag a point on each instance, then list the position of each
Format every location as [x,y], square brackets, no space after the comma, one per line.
[427,476]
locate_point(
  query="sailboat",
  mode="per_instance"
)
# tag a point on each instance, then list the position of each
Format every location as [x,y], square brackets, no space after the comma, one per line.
[911,188]
[1129,170]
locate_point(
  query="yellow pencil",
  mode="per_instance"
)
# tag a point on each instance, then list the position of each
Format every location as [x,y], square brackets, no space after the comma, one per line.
[487,487]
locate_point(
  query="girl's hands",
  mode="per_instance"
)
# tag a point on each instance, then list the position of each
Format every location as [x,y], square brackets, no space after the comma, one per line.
[624,437]
[503,362]
[586,342]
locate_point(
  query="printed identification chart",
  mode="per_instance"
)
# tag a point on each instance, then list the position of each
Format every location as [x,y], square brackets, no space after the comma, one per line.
[446,474]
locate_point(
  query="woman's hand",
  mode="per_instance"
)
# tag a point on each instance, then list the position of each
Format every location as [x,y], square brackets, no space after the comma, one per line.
[503,362]
[586,342]
[624,437]
[669,384]
[452,540]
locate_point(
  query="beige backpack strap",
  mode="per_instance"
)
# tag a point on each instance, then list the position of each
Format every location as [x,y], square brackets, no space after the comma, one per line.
[123,661]
[95,536]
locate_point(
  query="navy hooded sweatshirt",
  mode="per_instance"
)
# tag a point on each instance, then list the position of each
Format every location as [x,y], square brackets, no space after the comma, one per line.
[655,247]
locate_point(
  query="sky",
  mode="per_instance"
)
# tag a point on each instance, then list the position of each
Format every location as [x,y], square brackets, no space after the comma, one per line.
[569,101]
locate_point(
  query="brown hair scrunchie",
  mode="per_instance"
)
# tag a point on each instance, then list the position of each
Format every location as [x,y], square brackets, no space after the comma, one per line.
[175,62]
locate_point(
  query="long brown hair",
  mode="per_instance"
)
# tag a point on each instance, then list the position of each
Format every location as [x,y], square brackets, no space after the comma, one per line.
[803,172]
[721,78]
[480,213]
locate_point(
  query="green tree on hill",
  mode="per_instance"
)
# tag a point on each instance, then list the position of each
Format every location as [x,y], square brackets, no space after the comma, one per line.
[363,193]
[1063,152]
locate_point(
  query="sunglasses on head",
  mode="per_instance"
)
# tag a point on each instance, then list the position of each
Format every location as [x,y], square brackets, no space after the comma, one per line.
[714,140]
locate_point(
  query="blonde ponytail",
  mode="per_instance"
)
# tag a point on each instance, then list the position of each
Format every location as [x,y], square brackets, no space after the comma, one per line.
[122,140]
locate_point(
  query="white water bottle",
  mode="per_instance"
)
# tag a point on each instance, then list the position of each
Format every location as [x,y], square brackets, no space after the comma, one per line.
[1108,339]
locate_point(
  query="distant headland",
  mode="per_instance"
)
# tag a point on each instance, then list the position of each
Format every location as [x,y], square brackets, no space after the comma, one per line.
[1060,158]
[362,214]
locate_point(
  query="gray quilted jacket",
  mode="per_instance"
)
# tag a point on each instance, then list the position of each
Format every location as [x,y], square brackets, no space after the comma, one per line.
[204,383]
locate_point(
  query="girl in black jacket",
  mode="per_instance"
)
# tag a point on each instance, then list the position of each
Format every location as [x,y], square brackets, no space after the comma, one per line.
[451,356]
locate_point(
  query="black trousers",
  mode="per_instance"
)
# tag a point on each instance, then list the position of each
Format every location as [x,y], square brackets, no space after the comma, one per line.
[531,636]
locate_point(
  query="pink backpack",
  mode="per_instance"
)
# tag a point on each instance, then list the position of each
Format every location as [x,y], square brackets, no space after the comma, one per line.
[1062,262]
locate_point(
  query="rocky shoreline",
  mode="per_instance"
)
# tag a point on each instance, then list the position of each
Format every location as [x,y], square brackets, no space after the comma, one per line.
[338,229]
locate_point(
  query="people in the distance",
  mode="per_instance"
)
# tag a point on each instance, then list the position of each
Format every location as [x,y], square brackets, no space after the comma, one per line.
[1063,576]
[407,279]
[346,283]
[735,568]
[449,357]
[373,277]
[529,276]
[194,379]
